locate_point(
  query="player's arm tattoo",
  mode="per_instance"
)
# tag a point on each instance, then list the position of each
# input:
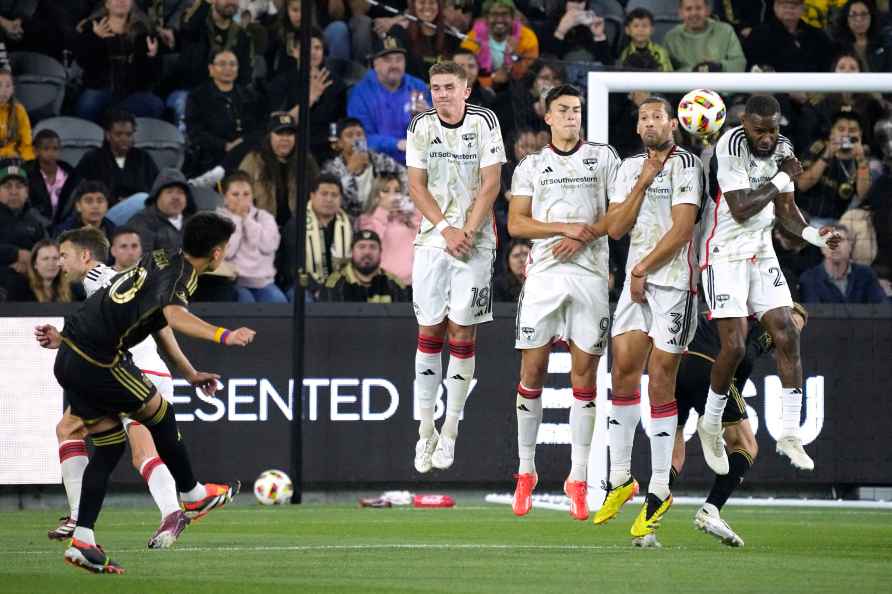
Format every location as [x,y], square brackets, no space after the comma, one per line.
[789,215]
[421,196]
[490,184]
[744,204]
[684,217]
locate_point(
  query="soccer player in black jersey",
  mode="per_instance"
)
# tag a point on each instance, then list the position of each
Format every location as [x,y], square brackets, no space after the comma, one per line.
[101,381]
[691,390]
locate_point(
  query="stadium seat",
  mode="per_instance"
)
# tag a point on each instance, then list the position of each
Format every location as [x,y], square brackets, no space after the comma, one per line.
[661,9]
[162,140]
[40,83]
[206,199]
[78,136]
[346,71]
[661,27]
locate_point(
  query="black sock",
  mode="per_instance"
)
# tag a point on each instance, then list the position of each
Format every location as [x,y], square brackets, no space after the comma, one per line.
[108,449]
[739,463]
[170,446]
[673,476]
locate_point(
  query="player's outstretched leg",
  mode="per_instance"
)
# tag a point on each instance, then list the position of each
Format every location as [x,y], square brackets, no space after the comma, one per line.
[459,373]
[428,377]
[528,407]
[73,460]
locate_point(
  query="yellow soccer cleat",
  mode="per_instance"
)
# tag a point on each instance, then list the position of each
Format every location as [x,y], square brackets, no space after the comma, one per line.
[615,500]
[649,517]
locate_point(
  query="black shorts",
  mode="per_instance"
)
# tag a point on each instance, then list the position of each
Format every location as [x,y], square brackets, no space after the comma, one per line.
[692,388]
[95,392]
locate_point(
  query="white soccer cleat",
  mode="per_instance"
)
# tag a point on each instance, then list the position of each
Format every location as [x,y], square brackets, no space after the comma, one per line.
[424,451]
[708,520]
[648,541]
[444,455]
[791,447]
[713,448]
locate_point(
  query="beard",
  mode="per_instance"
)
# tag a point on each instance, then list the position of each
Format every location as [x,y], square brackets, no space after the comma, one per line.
[366,267]
[762,154]
[657,145]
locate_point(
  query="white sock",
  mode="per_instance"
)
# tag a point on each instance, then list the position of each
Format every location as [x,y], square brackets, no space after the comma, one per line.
[195,493]
[73,459]
[582,427]
[714,409]
[161,485]
[428,376]
[529,417]
[85,535]
[459,374]
[791,407]
[663,423]
[621,425]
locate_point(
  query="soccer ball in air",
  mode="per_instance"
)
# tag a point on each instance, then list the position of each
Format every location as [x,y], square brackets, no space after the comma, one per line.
[702,112]
[273,487]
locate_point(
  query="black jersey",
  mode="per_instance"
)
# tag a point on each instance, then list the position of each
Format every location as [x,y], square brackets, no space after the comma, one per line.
[707,342]
[130,309]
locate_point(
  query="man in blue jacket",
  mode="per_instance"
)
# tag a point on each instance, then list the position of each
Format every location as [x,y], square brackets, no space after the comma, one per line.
[387,98]
[838,279]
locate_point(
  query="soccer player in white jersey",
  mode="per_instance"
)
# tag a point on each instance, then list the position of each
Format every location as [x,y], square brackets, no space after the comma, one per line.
[558,199]
[454,153]
[82,252]
[658,198]
[751,184]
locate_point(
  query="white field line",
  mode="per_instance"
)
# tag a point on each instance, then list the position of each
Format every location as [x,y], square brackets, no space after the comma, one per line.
[561,503]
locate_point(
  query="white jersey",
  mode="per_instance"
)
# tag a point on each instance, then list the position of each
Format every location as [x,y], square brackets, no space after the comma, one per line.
[569,187]
[453,156]
[680,182]
[735,167]
[145,354]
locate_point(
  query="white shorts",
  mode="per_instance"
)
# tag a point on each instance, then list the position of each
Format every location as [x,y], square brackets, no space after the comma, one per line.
[446,287]
[743,287]
[669,316]
[567,307]
[164,385]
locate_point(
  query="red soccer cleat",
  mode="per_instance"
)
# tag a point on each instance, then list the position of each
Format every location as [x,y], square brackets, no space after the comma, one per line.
[217,496]
[577,491]
[523,493]
[90,557]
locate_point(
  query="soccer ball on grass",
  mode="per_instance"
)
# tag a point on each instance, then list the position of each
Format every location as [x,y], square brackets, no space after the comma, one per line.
[273,487]
[702,112]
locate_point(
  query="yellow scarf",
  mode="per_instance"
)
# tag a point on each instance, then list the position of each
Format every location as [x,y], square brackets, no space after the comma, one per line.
[340,249]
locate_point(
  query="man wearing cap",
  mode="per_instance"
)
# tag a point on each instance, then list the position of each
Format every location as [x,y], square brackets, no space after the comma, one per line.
[20,229]
[363,280]
[503,45]
[160,223]
[387,98]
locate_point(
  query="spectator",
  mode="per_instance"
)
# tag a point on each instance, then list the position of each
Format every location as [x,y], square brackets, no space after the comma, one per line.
[458,14]
[20,229]
[858,30]
[579,35]
[14,122]
[743,15]
[480,95]
[820,13]
[786,43]
[387,98]
[702,44]
[252,248]
[284,41]
[120,62]
[522,104]
[363,280]
[126,248]
[639,30]
[90,208]
[357,167]
[125,169]
[50,180]
[870,226]
[426,41]
[794,255]
[504,46]
[394,218]
[273,169]
[45,278]
[835,171]
[370,23]
[328,95]
[838,279]
[220,116]
[867,105]
[160,223]
[507,285]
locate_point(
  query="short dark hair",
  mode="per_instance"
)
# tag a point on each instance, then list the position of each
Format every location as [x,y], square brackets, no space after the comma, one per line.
[327,178]
[235,177]
[762,105]
[118,116]
[348,122]
[204,231]
[850,116]
[91,186]
[662,101]
[463,51]
[318,34]
[123,230]
[212,55]
[91,239]
[46,134]
[561,91]
[639,13]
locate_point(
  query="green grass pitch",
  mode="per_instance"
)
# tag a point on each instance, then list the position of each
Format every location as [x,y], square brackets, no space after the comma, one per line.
[472,548]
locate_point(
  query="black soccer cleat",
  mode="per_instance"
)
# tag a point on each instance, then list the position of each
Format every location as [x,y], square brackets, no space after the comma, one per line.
[64,530]
[90,557]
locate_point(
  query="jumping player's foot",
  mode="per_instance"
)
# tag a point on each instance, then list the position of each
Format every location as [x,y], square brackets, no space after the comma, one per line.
[217,496]
[616,498]
[791,447]
[171,527]
[90,557]
[648,519]
[708,520]
[713,447]
[424,450]
[522,502]
[444,455]
[577,491]
[64,530]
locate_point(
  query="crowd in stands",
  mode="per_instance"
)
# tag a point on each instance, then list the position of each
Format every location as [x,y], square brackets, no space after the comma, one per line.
[226,74]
